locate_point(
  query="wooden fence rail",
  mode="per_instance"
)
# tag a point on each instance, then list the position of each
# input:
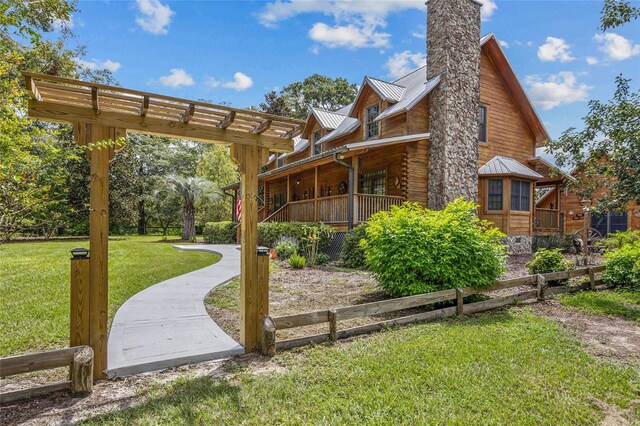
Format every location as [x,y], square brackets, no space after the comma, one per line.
[79,359]
[332,316]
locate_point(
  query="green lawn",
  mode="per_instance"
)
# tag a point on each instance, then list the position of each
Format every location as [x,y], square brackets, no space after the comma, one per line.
[622,303]
[507,367]
[34,285]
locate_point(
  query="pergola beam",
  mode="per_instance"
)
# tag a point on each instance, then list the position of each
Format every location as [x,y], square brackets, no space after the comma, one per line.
[188,113]
[32,89]
[262,127]
[150,125]
[144,107]
[94,99]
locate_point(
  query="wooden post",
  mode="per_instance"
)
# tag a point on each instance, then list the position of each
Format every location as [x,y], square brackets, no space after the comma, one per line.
[263,282]
[592,279]
[315,196]
[459,301]
[333,325]
[268,336]
[79,306]
[540,281]
[248,159]
[99,243]
[82,372]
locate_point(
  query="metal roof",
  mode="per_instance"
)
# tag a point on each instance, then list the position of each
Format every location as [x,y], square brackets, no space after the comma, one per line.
[348,125]
[387,91]
[499,165]
[411,98]
[327,119]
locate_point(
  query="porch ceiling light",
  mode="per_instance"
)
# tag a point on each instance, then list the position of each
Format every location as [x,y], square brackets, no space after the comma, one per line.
[585,202]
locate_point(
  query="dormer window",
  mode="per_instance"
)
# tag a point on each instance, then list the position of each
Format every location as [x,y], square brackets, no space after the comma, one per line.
[372,127]
[317,149]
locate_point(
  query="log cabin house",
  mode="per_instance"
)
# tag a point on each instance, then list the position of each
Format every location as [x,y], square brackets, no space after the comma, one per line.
[460,126]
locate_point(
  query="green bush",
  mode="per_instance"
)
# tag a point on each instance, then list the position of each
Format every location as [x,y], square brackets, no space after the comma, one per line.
[322,258]
[619,239]
[545,261]
[219,233]
[285,249]
[297,261]
[414,250]
[270,233]
[623,266]
[352,253]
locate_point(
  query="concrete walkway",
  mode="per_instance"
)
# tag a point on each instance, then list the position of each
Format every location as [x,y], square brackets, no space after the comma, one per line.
[167,325]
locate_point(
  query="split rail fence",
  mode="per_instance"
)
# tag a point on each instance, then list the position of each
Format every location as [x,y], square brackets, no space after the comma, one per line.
[334,315]
[79,359]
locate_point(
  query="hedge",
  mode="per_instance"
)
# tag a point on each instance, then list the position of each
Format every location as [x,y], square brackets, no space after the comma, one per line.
[220,232]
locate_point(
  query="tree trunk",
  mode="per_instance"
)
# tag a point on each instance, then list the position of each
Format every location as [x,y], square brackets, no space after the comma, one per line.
[142,218]
[188,221]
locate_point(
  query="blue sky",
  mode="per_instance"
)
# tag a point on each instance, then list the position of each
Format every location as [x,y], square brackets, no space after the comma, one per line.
[235,51]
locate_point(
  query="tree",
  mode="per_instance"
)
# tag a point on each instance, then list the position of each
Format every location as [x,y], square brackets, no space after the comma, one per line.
[165,207]
[617,12]
[315,91]
[191,189]
[216,166]
[606,153]
[276,105]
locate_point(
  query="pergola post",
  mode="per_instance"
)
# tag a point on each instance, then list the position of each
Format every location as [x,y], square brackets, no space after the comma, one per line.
[99,157]
[249,159]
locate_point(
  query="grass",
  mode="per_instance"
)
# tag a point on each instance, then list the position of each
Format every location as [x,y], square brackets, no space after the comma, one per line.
[34,285]
[226,296]
[621,303]
[505,367]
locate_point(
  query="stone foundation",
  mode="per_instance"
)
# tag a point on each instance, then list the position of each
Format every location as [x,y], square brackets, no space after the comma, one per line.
[519,244]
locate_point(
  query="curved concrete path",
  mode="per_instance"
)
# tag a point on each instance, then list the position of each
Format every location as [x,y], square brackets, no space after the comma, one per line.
[167,325]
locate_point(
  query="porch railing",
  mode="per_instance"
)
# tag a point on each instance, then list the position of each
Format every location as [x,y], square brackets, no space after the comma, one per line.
[333,209]
[368,204]
[280,215]
[548,219]
[302,211]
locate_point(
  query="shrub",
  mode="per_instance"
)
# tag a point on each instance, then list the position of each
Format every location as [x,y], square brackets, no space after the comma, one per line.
[563,242]
[322,258]
[220,233]
[623,266]
[545,261]
[285,249]
[352,253]
[270,233]
[619,239]
[296,261]
[414,250]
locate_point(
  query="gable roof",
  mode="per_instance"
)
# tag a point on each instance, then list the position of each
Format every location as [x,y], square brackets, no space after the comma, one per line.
[328,120]
[412,97]
[500,165]
[348,125]
[387,91]
[491,46]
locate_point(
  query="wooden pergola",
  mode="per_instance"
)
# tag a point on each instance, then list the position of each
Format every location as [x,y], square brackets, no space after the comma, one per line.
[101,115]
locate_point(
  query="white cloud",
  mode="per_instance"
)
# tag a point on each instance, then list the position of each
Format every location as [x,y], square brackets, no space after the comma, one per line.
[240,82]
[420,32]
[155,17]
[592,60]
[559,89]
[616,47]
[503,44]
[403,63]
[315,49]
[96,64]
[177,77]
[63,24]
[555,49]
[357,23]
[212,83]
[349,36]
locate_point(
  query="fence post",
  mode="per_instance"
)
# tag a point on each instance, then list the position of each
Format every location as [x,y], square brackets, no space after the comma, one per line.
[268,336]
[592,279]
[82,371]
[79,304]
[460,301]
[333,326]
[541,284]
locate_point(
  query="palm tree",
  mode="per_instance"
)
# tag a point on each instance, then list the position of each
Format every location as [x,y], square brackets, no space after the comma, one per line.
[191,189]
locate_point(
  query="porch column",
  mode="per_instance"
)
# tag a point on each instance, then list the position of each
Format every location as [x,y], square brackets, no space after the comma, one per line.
[355,164]
[315,196]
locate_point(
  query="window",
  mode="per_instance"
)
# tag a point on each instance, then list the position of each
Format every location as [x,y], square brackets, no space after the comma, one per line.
[609,222]
[494,201]
[280,160]
[373,182]
[482,129]
[520,195]
[317,149]
[372,127]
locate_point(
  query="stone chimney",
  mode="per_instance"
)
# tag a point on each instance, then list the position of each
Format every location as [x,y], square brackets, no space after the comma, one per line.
[453,53]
